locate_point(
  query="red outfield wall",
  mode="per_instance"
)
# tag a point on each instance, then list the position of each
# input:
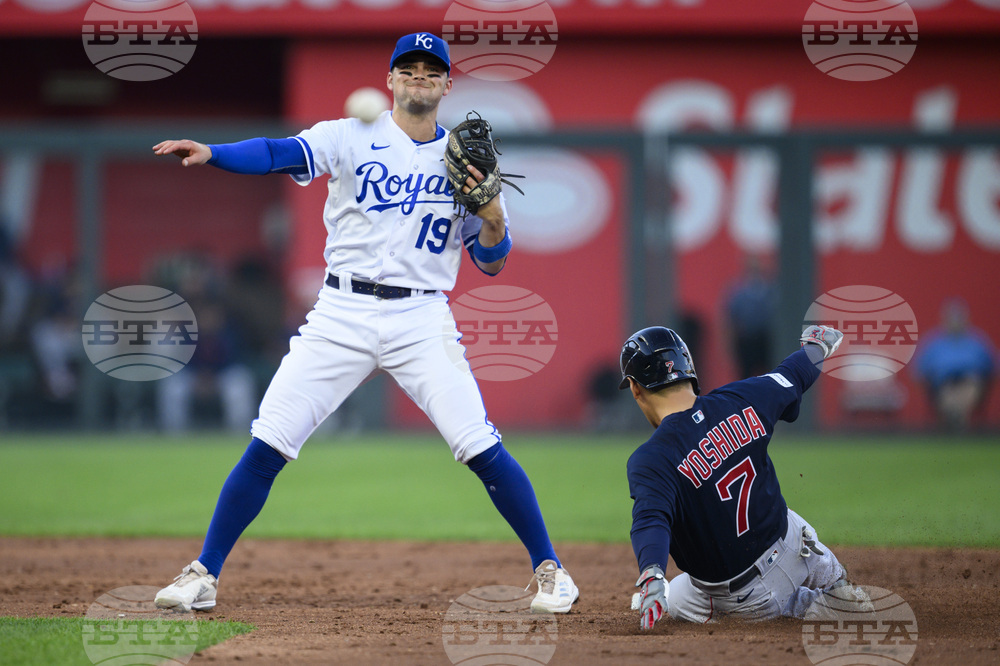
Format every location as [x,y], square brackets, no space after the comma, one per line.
[373,17]
[925,227]
[885,219]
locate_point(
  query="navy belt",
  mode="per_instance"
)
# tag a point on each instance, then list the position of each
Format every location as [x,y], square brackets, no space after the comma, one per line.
[743,579]
[379,291]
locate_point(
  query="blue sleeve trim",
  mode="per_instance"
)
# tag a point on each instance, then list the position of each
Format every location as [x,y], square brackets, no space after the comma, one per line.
[310,162]
[488,255]
[287,156]
[438,135]
[260,156]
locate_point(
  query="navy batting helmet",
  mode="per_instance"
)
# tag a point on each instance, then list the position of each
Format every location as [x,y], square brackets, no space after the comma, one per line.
[655,357]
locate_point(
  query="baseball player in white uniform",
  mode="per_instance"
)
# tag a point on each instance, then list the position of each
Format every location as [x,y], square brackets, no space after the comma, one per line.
[394,245]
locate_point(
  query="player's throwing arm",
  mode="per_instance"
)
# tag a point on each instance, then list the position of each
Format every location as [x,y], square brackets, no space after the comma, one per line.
[191,153]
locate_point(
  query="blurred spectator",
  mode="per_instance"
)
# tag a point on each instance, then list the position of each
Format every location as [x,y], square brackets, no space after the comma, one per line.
[956,362]
[217,368]
[750,309]
[610,410]
[56,343]
[56,335]
[18,375]
[606,411]
[255,298]
[15,290]
[691,330]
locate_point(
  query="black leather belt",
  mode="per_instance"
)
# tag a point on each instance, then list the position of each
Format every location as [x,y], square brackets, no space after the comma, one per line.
[380,291]
[743,579]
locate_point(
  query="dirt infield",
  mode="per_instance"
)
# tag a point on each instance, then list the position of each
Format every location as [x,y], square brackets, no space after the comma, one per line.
[385,603]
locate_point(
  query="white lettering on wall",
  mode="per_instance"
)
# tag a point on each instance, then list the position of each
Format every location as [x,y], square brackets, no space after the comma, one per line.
[978,193]
[853,196]
[922,225]
[754,226]
[685,105]
[853,201]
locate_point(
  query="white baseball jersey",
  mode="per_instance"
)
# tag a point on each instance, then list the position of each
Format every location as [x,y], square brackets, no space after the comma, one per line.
[389,219]
[389,214]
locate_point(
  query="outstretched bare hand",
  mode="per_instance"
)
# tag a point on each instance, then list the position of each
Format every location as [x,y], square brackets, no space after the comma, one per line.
[191,153]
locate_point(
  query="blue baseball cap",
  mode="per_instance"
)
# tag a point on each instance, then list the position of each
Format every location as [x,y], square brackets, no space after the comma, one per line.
[424,42]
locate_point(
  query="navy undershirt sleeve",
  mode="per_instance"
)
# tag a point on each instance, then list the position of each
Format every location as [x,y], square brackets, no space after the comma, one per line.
[650,537]
[803,368]
[260,156]
[653,510]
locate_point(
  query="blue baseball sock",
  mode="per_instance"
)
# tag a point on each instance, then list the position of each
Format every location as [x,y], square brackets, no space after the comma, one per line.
[514,498]
[242,497]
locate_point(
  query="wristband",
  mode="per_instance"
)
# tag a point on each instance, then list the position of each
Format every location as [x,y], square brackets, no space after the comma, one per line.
[488,255]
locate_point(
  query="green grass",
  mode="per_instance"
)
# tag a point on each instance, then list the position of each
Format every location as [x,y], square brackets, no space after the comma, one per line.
[76,640]
[863,490]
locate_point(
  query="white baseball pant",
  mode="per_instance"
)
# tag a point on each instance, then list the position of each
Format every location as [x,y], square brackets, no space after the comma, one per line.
[789,582]
[348,338]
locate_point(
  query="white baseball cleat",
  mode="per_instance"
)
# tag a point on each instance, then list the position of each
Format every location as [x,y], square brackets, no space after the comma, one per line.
[845,590]
[194,589]
[556,590]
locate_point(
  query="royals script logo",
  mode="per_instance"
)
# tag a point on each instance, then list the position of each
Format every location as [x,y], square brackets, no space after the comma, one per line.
[392,191]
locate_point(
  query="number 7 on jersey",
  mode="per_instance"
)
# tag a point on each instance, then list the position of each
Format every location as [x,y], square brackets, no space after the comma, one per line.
[745,472]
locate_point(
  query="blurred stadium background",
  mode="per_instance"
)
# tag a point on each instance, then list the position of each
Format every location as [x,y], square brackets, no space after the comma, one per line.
[673,148]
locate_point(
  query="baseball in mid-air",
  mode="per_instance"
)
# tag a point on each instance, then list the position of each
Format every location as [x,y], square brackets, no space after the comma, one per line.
[366,104]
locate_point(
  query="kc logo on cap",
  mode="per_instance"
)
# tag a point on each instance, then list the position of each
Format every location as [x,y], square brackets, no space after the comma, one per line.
[424,42]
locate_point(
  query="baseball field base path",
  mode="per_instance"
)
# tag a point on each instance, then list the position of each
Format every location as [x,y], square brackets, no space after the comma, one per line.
[385,603]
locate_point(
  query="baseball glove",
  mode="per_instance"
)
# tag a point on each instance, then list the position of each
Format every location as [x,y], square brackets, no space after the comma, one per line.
[471,142]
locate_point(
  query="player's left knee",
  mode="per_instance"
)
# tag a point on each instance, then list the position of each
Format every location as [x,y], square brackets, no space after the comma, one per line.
[490,462]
